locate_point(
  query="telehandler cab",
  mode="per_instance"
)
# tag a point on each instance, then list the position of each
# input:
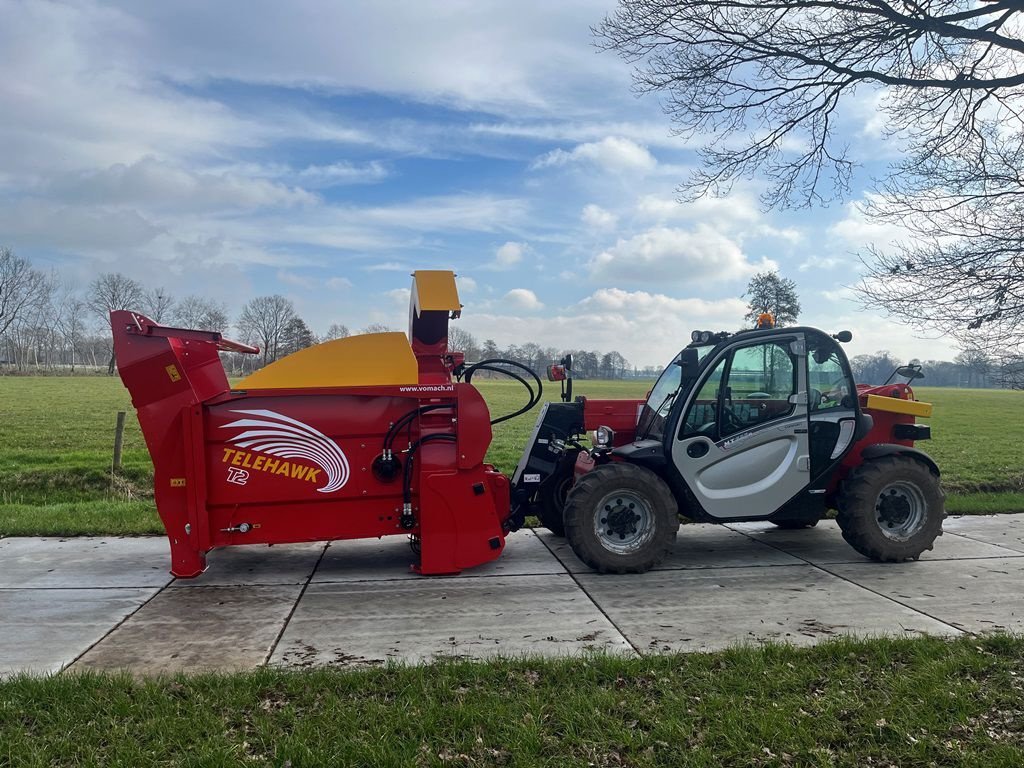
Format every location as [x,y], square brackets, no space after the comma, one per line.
[764,424]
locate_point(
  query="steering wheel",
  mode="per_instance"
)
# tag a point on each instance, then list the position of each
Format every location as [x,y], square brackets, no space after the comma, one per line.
[813,399]
[730,420]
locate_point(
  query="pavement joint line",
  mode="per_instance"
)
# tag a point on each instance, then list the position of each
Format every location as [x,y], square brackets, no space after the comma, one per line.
[287,619]
[823,569]
[117,626]
[590,597]
[1015,552]
[53,589]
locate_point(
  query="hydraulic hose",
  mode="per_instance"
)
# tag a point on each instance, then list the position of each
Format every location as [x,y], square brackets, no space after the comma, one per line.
[405,419]
[407,520]
[489,365]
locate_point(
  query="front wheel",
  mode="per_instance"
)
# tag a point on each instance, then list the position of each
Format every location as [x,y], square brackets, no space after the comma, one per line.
[891,509]
[552,495]
[621,518]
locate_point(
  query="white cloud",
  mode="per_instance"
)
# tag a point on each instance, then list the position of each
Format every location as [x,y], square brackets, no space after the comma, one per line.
[612,154]
[40,223]
[857,230]
[339,283]
[151,182]
[399,296]
[737,214]
[343,173]
[615,319]
[465,284]
[509,255]
[292,278]
[523,298]
[522,58]
[596,217]
[675,256]
[820,262]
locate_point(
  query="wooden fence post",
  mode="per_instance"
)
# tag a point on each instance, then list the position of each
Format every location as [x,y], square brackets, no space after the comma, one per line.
[118,439]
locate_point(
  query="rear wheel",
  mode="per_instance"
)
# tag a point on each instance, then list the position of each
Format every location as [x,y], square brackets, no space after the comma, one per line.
[621,518]
[891,509]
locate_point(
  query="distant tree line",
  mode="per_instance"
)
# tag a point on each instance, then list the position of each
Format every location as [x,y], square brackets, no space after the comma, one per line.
[46,327]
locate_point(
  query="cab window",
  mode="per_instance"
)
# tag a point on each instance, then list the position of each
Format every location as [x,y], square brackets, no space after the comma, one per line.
[759,387]
[828,386]
[703,413]
[750,386]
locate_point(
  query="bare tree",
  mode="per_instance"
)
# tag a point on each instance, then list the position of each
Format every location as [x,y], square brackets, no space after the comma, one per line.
[21,286]
[461,340]
[376,328]
[756,78]
[201,313]
[111,291]
[158,305]
[263,322]
[763,83]
[336,331]
[69,322]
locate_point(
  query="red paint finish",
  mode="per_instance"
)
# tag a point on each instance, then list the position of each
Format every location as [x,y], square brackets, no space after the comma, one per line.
[619,415]
[276,466]
[881,431]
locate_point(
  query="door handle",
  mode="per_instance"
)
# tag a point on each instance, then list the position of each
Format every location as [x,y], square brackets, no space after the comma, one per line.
[696,450]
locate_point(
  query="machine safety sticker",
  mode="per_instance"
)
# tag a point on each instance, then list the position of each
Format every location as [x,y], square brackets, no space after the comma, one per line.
[279,440]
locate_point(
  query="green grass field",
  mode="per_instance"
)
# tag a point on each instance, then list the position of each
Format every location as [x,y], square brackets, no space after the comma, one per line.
[56,435]
[924,702]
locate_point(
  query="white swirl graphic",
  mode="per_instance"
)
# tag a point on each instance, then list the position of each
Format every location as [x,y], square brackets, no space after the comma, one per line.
[279,435]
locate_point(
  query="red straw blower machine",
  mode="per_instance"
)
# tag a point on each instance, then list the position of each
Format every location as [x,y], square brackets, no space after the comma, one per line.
[360,437]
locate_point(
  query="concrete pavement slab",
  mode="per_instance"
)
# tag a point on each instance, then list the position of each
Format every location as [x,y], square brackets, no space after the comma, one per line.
[254,564]
[1002,530]
[389,558]
[44,630]
[709,609]
[697,546]
[974,595]
[138,561]
[415,621]
[197,630]
[824,544]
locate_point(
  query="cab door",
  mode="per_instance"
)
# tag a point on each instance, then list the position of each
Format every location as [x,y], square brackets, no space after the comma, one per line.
[742,444]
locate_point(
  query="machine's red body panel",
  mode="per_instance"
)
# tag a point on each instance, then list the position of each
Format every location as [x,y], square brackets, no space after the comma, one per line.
[291,465]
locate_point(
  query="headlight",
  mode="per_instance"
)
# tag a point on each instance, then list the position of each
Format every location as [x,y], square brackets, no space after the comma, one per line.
[603,437]
[695,336]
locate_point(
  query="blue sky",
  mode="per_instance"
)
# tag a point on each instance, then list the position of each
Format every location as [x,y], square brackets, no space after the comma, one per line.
[325,150]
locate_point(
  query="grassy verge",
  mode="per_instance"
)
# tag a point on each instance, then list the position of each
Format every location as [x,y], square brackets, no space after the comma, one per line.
[843,703]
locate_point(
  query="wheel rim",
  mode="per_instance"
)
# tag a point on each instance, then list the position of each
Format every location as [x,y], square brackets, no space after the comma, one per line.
[900,510]
[623,522]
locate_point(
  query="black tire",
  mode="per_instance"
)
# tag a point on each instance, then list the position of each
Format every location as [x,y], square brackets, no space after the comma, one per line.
[793,525]
[891,509]
[552,495]
[621,518]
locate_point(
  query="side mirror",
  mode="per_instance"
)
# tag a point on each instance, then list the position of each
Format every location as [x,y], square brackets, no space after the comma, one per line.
[910,372]
[689,363]
[843,337]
